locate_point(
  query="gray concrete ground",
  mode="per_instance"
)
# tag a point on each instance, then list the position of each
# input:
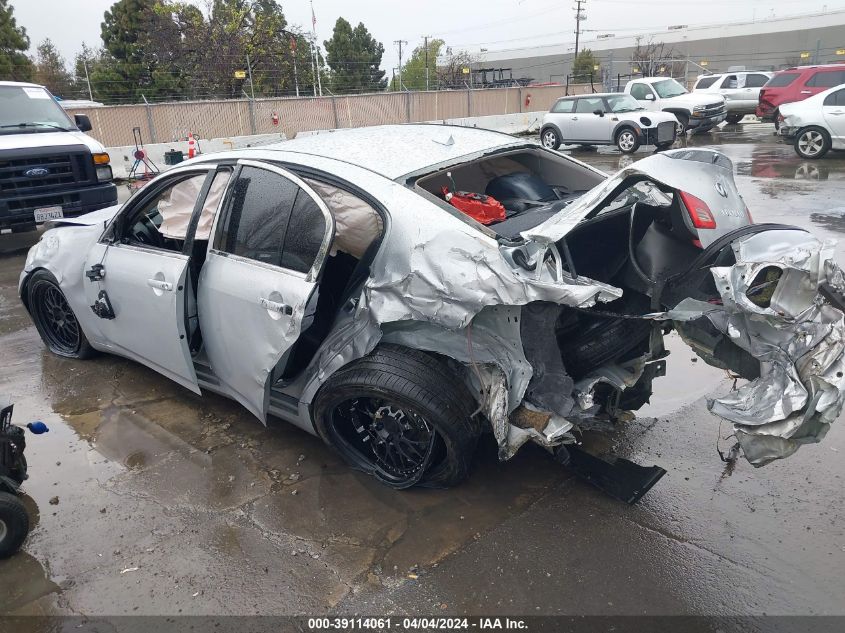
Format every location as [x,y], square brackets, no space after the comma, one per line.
[148,499]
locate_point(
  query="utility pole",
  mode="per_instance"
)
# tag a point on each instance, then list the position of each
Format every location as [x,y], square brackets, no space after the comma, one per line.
[579,17]
[87,80]
[400,43]
[249,70]
[425,40]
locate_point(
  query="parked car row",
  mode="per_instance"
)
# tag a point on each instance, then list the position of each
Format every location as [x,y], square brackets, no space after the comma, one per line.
[656,110]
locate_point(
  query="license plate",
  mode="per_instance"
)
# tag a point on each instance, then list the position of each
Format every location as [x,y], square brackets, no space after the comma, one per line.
[48,213]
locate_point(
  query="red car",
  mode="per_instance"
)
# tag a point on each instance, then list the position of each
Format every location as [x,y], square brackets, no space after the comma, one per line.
[796,84]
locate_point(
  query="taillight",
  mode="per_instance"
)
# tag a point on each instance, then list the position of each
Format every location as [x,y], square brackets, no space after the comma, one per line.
[698,211]
[780,118]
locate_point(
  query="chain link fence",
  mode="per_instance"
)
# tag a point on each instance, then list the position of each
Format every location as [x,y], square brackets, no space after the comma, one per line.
[169,122]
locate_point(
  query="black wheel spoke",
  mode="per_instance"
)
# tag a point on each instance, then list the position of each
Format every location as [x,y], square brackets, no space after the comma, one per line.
[55,318]
[396,442]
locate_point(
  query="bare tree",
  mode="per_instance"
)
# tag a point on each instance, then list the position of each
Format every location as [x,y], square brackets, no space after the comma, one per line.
[656,59]
[450,69]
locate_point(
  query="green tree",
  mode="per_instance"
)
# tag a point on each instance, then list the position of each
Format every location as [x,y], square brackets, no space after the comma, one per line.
[354,59]
[142,46]
[585,65]
[51,70]
[14,64]
[414,70]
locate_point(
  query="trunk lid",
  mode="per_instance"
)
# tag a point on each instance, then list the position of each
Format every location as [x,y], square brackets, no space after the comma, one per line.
[705,174]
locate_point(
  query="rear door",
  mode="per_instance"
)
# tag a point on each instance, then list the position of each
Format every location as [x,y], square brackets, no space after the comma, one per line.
[834,115]
[270,243]
[141,285]
[820,81]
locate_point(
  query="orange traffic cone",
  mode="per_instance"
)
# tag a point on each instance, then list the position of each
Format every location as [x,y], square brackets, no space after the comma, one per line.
[192,146]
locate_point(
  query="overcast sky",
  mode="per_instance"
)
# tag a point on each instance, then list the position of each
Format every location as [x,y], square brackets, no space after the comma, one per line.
[472,24]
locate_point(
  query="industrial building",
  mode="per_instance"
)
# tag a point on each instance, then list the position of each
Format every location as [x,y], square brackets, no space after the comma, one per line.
[768,44]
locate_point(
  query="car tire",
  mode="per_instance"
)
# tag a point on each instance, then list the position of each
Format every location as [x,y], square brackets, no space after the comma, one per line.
[733,119]
[365,410]
[600,342]
[683,123]
[14,524]
[812,142]
[627,140]
[549,138]
[54,319]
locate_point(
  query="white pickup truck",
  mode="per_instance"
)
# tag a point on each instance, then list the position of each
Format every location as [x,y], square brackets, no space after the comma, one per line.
[694,111]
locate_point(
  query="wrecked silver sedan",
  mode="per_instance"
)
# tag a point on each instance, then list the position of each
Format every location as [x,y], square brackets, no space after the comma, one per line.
[400,290]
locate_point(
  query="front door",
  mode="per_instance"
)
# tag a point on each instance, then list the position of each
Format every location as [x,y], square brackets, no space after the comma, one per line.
[590,126]
[137,277]
[834,115]
[270,242]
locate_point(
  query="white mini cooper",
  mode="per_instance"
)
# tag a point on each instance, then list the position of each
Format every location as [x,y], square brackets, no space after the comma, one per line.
[606,119]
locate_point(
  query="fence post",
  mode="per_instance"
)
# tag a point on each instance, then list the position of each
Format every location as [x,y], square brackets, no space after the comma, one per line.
[567,86]
[407,106]
[519,93]
[469,102]
[149,119]
[334,111]
[251,116]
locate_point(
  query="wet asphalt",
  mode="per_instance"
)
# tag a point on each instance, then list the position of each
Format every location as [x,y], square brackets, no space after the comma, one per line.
[147,499]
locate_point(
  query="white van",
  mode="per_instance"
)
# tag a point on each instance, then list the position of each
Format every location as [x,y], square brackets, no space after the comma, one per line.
[48,167]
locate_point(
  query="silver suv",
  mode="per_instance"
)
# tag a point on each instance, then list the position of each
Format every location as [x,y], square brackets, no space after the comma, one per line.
[741,90]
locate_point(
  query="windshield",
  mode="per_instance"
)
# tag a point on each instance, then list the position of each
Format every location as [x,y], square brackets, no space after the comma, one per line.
[668,88]
[623,103]
[30,109]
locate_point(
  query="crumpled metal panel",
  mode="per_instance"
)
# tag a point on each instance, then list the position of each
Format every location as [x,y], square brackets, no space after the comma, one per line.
[706,174]
[798,340]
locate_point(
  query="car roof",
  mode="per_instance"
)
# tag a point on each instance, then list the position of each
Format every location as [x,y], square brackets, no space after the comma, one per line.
[20,83]
[397,150]
[595,94]
[831,66]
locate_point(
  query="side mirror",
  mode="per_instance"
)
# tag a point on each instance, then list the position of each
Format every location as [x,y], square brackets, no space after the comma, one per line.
[82,122]
[649,97]
[598,112]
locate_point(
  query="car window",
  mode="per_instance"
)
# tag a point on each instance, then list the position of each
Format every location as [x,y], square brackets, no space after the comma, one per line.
[304,235]
[668,88]
[729,82]
[781,80]
[563,106]
[623,103]
[258,215]
[755,80]
[639,91]
[590,104]
[826,79]
[161,221]
[835,98]
[706,82]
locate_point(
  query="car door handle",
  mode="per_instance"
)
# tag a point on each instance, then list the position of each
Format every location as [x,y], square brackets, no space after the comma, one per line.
[159,284]
[575,118]
[837,112]
[275,306]
[806,92]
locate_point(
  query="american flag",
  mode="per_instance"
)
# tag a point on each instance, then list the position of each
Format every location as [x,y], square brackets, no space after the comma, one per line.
[313,18]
